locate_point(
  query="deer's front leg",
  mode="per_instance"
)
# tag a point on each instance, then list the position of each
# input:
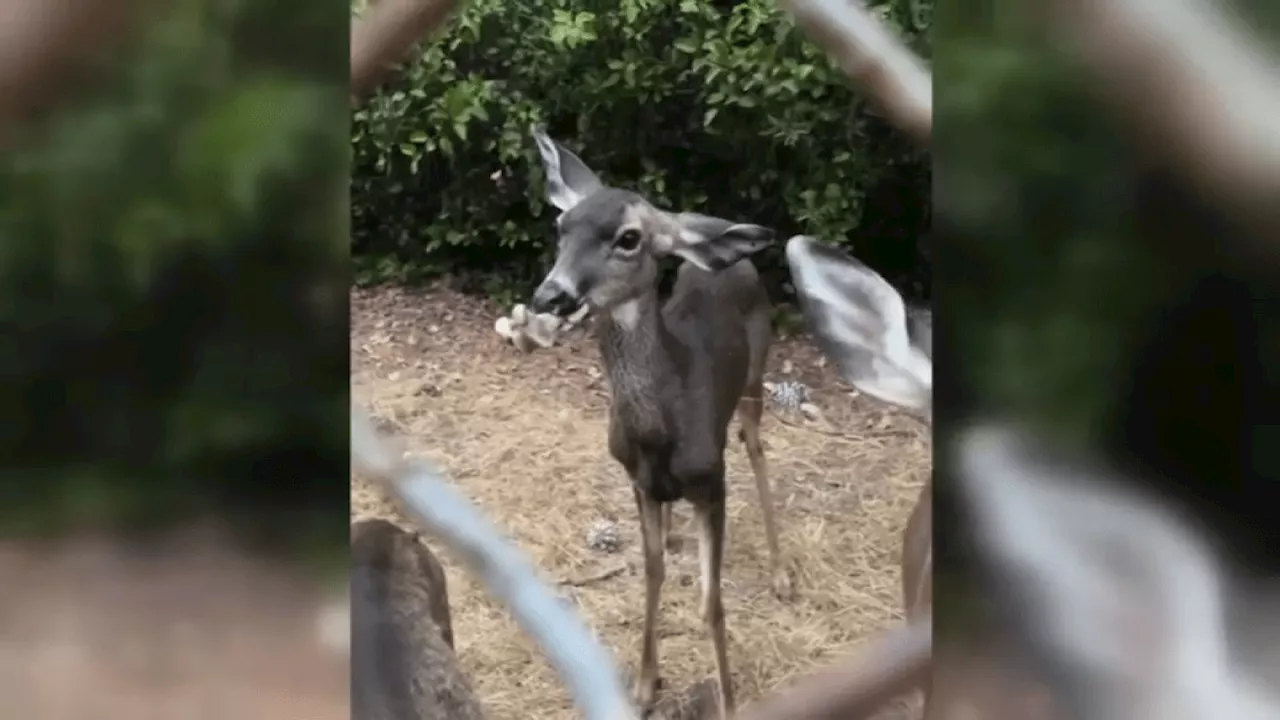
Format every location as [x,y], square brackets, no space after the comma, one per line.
[651,532]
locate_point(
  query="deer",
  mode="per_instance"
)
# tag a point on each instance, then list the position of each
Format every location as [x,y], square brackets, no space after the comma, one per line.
[678,370]
[884,349]
[403,665]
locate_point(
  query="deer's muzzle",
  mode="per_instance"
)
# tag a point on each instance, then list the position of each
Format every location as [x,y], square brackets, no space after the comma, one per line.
[552,297]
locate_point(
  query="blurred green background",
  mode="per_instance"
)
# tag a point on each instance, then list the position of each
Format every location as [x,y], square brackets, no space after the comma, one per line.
[711,105]
[1085,292]
[174,276]
[1065,244]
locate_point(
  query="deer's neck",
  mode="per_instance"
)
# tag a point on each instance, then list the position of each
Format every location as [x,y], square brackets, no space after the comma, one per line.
[635,358]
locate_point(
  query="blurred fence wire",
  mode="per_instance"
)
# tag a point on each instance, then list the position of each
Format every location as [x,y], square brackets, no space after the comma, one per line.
[1198,83]
[40,40]
[440,509]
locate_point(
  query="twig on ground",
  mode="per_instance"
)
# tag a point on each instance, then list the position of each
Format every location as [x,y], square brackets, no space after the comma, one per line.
[609,574]
[434,505]
[839,435]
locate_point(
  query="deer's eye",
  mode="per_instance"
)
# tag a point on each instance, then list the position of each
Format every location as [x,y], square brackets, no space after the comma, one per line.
[627,241]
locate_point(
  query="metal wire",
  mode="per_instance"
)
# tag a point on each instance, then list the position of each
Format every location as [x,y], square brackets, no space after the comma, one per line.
[587,668]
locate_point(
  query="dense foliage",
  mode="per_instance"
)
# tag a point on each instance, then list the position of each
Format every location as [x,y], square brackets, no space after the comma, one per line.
[722,107]
[174,271]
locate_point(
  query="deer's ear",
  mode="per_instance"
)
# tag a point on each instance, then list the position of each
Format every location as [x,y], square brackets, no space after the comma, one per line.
[861,322]
[569,180]
[1112,589]
[713,243]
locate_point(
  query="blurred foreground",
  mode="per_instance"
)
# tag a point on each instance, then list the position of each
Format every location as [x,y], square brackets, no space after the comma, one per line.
[94,629]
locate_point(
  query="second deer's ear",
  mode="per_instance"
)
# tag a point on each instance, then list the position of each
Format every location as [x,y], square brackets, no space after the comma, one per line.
[861,322]
[1112,588]
[569,180]
[714,243]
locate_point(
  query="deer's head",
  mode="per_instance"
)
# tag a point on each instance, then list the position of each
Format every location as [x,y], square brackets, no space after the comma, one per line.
[610,240]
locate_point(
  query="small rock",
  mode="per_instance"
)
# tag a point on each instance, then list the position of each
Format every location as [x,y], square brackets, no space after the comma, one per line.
[789,395]
[503,327]
[787,367]
[603,536]
[810,411]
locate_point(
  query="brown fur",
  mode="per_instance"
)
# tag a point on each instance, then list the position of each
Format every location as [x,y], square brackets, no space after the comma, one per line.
[917,556]
[402,664]
[979,685]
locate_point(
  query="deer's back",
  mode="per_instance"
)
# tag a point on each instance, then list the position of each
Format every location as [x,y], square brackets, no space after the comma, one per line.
[724,318]
[403,665]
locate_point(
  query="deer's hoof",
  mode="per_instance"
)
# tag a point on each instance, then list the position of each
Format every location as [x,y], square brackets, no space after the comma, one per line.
[645,691]
[783,587]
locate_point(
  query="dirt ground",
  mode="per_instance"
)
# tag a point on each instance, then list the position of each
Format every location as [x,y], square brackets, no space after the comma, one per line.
[524,437]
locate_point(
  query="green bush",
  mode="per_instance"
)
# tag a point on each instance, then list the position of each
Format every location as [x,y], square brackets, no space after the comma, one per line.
[174,266]
[716,106]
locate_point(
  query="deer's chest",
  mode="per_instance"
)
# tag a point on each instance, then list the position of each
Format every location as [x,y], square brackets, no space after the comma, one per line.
[636,429]
[668,451]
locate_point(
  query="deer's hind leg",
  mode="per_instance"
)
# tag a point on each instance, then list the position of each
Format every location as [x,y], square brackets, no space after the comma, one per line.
[673,542]
[750,410]
[711,523]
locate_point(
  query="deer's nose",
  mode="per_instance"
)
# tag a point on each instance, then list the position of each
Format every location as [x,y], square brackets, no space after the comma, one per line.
[552,298]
